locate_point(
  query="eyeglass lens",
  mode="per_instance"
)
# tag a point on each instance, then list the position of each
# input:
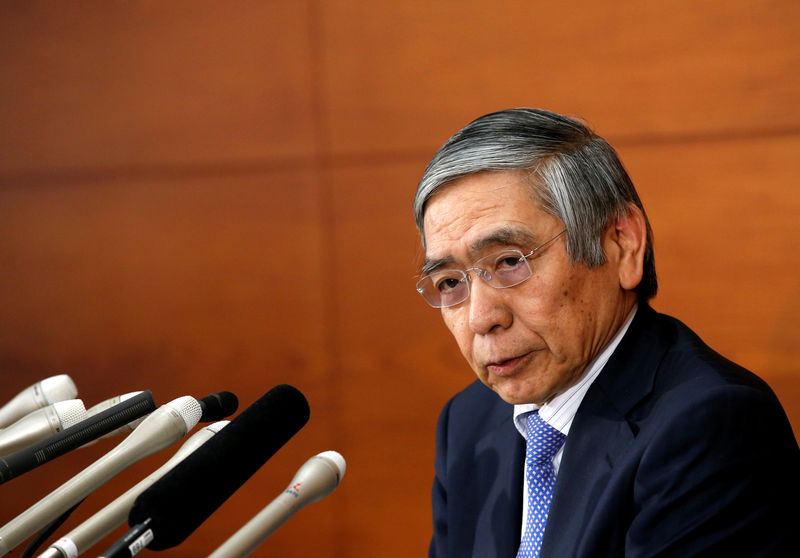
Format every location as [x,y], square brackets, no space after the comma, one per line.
[450,287]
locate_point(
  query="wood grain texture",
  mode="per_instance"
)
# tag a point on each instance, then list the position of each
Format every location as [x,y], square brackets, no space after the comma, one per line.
[140,84]
[630,70]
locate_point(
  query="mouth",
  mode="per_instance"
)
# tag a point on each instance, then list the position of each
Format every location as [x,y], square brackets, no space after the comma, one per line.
[509,366]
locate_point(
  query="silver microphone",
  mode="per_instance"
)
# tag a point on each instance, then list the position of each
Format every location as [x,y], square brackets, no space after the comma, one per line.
[41,394]
[40,424]
[164,426]
[315,479]
[82,537]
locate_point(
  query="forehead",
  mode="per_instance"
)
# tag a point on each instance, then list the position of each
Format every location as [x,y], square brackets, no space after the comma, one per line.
[499,206]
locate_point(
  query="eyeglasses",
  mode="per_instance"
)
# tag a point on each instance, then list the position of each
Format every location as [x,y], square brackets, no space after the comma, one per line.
[500,270]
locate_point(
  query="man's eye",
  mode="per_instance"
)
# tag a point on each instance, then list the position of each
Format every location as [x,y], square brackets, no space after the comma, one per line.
[447,284]
[507,262]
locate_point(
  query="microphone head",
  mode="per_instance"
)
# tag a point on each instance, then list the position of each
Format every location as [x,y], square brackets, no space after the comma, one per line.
[338,461]
[217,406]
[58,388]
[188,408]
[69,412]
[318,477]
[183,498]
[41,394]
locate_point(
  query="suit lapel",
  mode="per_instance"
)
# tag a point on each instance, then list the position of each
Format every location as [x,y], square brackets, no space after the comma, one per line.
[499,465]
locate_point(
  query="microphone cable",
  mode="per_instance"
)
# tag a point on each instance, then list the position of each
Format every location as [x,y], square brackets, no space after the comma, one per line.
[47,532]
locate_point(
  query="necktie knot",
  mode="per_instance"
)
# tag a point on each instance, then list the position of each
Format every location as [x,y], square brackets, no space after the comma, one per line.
[543,440]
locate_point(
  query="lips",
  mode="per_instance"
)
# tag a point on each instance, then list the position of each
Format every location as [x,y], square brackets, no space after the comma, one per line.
[508,366]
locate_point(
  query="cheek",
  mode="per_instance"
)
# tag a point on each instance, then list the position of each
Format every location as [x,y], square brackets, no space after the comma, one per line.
[575,313]
[458,324]
[551,313]
[542,305]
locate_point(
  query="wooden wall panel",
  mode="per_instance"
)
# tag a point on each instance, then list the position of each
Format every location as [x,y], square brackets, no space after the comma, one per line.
[209,262]
[631,70]
[137,84]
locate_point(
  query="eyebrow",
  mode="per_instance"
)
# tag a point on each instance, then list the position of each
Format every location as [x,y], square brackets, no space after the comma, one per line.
[503,236]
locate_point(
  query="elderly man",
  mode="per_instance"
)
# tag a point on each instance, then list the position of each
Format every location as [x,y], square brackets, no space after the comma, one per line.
[598,427]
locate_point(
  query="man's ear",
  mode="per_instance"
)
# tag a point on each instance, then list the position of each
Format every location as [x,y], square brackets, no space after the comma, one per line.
[624,243]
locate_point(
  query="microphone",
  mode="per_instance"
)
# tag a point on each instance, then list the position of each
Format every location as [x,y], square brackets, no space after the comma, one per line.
[317,478]
[217,406]
[164,426]
[85,535]
[75,436]
[170,510]
[39,424]
[107,404]
[46,392]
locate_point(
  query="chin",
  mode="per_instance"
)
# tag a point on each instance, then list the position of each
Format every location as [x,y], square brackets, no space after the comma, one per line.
[514,396]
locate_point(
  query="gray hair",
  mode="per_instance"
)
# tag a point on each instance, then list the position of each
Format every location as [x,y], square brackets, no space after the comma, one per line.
[576,174]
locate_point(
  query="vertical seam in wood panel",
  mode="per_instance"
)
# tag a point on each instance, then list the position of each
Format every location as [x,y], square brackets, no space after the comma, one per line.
[330,262]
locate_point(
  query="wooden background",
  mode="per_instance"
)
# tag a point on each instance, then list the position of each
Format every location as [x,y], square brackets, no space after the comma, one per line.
[199,196]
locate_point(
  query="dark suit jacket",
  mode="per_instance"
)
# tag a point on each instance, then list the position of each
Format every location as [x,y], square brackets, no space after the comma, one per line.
[674,451]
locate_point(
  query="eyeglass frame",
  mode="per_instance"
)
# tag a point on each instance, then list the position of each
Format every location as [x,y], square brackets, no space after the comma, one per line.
[480,272]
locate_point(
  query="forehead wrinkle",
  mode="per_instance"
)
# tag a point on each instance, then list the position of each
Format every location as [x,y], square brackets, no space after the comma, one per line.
[503,236]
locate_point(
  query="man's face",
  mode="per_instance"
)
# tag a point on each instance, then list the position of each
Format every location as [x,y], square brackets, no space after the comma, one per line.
[531,341]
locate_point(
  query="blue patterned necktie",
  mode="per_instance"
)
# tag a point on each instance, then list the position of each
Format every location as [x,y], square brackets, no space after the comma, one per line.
[542,444]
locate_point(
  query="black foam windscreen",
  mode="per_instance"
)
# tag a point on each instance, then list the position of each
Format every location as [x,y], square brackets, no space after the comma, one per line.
[186,496]
[217,406]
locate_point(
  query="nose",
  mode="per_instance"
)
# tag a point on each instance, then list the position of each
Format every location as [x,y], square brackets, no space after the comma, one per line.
[487,308]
